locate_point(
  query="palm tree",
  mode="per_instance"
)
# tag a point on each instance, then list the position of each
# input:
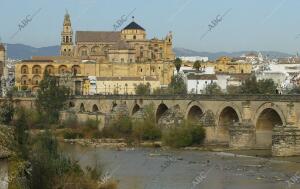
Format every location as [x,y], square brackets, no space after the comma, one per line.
[177,64]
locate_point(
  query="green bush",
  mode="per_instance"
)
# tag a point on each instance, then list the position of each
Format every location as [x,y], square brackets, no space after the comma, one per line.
[198,134]
[178,137]
[73,135]
[97,135]
[91,123]
[186,134]
[147,128]
[52,169]
[121,127]
[143,130]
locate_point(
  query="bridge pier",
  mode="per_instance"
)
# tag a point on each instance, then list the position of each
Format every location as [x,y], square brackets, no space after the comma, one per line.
[242,136]
[286,138]
[286,141]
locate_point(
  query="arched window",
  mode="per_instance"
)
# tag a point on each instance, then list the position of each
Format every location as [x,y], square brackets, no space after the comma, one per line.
[24,80]
[76,70]
[95,49]
[24,69]
[83,51]
[62,69]
[36,80]
[36,69]
[50,69]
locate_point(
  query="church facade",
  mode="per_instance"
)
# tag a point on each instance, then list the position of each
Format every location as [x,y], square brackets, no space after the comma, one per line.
[106,55]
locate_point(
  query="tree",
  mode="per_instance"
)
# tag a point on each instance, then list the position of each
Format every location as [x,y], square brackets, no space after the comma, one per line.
[233,89]
[294,90]
[213,89]
[267,86]
[177,85]
[51,97]
[143,89]
[252,86]
[7,110]
[197,65]
[249,86]
[177,64]
[21,127]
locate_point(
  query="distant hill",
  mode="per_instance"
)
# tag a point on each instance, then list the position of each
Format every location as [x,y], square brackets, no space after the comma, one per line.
[20,51]
[215,55]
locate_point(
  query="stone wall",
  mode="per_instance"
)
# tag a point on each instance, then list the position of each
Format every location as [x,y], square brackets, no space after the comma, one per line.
[286,141]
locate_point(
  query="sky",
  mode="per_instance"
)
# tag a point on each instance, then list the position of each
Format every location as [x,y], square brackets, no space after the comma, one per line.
[234,24]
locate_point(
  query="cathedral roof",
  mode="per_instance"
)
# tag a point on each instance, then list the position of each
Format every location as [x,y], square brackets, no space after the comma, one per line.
[133,26]
[121,45]
[97,36]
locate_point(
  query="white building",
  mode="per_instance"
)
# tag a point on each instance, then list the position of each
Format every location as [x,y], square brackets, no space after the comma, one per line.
[196,84]
[93,85]
[281,74]
[193,58]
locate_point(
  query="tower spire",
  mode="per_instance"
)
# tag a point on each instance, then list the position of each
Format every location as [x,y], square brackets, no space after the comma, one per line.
[67,37]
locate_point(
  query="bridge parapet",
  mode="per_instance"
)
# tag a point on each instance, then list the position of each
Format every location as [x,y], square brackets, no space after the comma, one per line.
[277,98]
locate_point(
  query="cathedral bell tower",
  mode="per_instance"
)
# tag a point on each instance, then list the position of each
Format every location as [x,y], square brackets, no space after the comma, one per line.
[66,47]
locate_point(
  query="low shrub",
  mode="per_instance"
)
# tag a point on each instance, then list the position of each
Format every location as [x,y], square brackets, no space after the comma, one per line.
[97,135]
[91,123]
[186,134]
[121,127]
[143,130]
[73,135]
[70,122]
[147,128]
[178,137]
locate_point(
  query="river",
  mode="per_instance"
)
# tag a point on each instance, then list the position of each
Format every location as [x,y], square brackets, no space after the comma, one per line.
[3,174]
[143,168]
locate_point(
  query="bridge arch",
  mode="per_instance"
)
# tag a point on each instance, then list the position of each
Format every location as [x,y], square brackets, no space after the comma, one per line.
[267,117]
[194,111]
[232,108]
[161,109]
[95,108]
[71,104]
[228,115]
[135,109]
[81,109]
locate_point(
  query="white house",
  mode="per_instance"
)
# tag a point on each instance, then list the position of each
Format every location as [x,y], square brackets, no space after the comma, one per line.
[196,84]
[193,58]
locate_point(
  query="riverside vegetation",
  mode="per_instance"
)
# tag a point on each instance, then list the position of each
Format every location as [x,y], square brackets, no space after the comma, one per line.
[35,160]
[135,131]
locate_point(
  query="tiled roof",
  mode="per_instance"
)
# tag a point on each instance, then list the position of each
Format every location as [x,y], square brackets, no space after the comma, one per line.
[133,26]
[120,45]
[37,61]
[147,78]
[202,77]
[97,36]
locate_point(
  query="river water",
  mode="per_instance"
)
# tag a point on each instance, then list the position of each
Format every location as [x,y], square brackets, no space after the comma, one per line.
[143,168]
[3,174]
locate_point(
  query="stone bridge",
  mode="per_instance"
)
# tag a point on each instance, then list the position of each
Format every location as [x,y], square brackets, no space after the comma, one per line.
[242,121]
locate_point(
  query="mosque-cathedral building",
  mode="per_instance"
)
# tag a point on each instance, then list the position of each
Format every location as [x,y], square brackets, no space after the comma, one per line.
[103,62]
